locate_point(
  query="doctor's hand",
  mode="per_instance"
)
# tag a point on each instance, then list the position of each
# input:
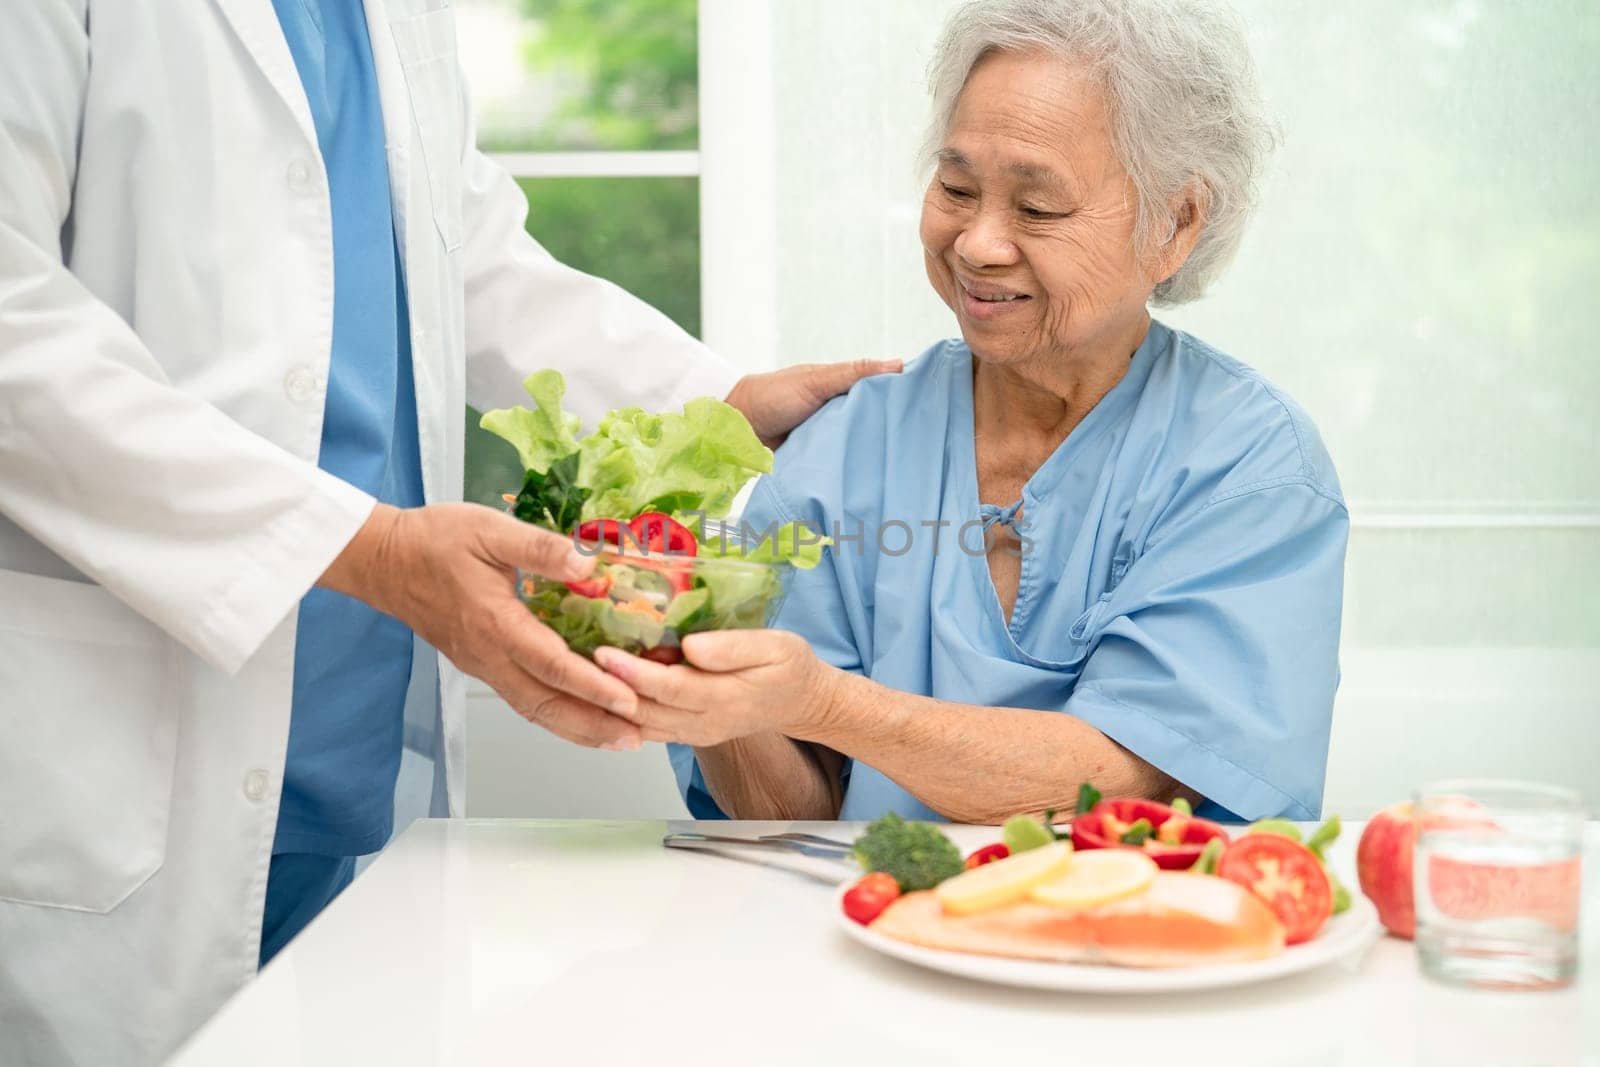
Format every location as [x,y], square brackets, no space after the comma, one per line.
[448,572]
[778,401]
[737,683]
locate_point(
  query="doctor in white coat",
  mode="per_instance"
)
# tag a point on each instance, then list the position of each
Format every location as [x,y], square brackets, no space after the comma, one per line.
[180,186]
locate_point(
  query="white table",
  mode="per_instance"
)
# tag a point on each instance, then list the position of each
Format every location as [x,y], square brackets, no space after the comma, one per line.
[511,942]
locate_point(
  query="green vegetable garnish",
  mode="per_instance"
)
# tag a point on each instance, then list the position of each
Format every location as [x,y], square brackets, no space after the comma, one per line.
[1050,824]
[915,854]
[1281,827]
[552,497]
[1324,836]
[1088,797]
[1181,806]
[1207,863]
[1137,831]
[1318,843]
[1024,832]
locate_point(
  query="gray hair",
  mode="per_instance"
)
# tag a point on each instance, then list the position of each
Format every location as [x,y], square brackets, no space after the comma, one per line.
[1183,105]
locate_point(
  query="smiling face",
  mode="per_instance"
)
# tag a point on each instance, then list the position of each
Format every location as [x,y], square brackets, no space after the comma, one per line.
[1028,223]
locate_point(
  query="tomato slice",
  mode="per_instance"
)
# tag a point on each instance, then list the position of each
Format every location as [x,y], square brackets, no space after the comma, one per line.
[1286,875]
[1174,849]
[593,588]
[867,899]
[597,530]
[660,533]
[667,654]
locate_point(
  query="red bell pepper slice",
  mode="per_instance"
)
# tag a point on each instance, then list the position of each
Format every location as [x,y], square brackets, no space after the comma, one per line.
[1176,849]
[988,854]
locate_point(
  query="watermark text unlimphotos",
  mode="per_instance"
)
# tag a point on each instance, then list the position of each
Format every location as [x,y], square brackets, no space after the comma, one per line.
[892,537]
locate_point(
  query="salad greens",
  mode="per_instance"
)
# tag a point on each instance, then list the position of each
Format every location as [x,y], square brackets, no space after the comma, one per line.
[647,484]
[552,497]
[683,465]
[543,433]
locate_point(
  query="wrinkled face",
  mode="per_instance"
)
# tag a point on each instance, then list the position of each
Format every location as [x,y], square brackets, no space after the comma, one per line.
[1027,225]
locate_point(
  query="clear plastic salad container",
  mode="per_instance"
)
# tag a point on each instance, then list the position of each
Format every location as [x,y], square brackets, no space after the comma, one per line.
[644,601]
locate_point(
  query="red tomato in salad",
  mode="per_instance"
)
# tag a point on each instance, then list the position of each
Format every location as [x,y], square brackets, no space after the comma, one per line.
[1175,840]
[661,534]
[867,899]
[593,588]
[652,534]
[663,654]
[596,531]
[1286,875]
[988,854]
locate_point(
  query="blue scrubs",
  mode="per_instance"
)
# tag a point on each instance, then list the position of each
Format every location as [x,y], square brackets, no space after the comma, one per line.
[1181,592]
[352,664]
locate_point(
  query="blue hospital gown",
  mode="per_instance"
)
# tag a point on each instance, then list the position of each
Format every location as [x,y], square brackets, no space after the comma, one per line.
[1181,592]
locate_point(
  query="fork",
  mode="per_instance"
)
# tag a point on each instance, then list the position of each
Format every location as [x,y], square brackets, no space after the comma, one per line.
[812,839]
[821,847]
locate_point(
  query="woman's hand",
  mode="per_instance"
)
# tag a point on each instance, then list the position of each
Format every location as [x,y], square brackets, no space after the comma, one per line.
[447,571]
[738,683]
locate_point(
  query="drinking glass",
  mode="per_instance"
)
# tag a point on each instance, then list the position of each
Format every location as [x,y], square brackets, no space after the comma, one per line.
[1498,874]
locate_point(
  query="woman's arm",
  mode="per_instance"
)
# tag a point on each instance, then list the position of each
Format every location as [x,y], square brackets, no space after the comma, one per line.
[770,776]
[979,764]
[766,688]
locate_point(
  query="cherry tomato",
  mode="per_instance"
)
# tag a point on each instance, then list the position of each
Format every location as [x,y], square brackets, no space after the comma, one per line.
[1286,875]
[1175,841]
[988,854]
[667,654]
[661,534]
[866,900]
[593,588]
[596,531]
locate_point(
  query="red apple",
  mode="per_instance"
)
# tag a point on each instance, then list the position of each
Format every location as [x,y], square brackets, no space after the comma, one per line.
[1383,865]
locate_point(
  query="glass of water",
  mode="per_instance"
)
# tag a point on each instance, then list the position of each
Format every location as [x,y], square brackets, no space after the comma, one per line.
[1498,872]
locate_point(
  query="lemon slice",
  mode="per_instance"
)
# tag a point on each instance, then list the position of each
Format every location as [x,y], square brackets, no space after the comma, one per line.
[999,883]
[1096,877]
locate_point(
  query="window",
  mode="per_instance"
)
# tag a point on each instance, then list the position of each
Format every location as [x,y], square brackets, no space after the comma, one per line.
[593,106]
[1421,277]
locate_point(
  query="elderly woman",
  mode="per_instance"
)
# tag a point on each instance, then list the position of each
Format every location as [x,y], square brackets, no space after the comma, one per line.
[1153,604]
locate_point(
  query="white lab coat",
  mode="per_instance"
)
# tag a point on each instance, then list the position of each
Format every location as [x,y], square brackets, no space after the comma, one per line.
[166,302]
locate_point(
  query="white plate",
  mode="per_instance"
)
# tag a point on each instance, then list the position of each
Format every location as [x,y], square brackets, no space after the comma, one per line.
[1346,936]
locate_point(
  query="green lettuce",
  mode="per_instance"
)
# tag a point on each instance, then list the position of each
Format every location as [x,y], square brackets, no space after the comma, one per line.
[695,462]
[794,542]
[687,465]
[543,433]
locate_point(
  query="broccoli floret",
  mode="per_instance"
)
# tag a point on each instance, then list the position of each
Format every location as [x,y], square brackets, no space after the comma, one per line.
[915,854]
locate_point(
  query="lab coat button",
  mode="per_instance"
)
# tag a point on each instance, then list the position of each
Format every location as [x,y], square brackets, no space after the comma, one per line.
[300,176]
[255,784]
[300,384]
